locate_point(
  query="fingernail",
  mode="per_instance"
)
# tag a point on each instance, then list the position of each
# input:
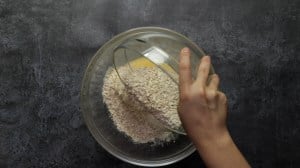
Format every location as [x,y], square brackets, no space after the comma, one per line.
[185,50]
[207,58]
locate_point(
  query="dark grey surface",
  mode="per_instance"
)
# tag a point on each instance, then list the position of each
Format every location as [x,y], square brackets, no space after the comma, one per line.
[45,46]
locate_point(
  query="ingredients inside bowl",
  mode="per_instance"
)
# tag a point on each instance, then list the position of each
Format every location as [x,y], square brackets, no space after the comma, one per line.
[144,92]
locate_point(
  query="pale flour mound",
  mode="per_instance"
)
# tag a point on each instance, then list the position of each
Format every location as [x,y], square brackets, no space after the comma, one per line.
[155,90]
[127,112]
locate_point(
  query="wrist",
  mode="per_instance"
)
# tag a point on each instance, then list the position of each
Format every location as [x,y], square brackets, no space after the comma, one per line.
[216,138]
[220,151]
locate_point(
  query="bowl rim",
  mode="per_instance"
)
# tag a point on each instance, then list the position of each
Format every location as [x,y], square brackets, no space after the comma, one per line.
[188,150]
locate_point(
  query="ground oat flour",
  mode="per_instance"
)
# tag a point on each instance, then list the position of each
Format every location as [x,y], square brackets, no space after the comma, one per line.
[143,90]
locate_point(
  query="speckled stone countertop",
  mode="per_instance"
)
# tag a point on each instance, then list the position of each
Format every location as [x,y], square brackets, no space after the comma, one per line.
[46,45]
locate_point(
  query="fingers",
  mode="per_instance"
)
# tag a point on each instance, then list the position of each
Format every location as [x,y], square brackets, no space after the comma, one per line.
[211,96]
[216,99]
[203,71]
[211,91]
[222,99]
[202,78]
[222,103]
[185,74]
[214,82]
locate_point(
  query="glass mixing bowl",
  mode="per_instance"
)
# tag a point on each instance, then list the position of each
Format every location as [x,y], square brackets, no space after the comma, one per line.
[96,115]
[156,49]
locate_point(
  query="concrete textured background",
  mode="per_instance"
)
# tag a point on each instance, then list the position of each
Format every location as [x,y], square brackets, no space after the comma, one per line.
[45,46]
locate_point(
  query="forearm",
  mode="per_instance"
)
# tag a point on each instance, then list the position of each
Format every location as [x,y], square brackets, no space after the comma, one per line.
[220,152]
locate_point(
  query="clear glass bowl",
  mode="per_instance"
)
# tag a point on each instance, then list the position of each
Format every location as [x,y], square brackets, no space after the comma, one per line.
[96,114]
[156,49]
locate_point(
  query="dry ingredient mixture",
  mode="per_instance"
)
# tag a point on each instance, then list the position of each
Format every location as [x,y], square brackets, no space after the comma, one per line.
[144,93]
[156,91]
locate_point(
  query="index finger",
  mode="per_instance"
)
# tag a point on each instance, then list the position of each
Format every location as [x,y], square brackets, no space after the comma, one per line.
[185,74]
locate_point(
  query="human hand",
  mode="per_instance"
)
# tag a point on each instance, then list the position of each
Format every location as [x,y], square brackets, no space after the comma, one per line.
[202,108]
